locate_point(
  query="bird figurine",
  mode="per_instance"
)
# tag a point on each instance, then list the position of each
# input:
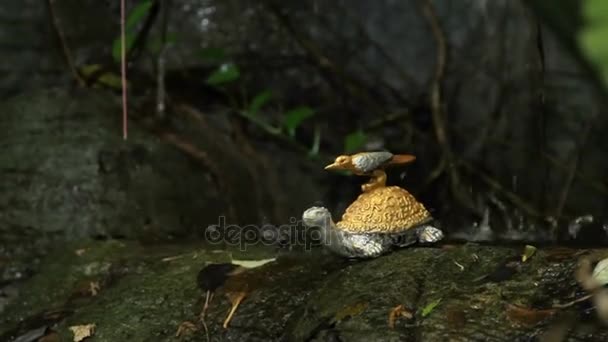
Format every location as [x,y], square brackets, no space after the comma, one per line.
[370,164]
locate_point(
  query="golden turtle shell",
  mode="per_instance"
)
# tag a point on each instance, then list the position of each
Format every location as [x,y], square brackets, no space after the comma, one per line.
[388,209]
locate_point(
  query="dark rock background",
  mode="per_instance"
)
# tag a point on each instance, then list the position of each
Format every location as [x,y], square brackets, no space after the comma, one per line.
[86,181]
[523,122]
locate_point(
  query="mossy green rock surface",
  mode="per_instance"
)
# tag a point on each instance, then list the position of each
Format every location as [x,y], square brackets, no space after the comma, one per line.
[145,293]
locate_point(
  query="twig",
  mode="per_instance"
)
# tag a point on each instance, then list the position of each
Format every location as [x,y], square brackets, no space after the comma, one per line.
[503,81]
[436,172]
[323,61]
[277,134]
[208,296]
[493,183]
[202,157]
[596,185]
[389,118]
[160,84]
[436,106]
[538,85]
[270,130]
[578,300]
[253,169]
[572,171]
[569,40]
[64,45]
[193,151]
[437,112]
[316,144]
[408,79]
[160,61]
[123,67]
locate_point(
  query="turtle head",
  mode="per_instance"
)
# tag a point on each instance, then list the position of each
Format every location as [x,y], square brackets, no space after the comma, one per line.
[317,217]
[341,163]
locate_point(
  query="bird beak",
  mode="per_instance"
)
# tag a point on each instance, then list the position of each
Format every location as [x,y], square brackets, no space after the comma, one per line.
[332,166]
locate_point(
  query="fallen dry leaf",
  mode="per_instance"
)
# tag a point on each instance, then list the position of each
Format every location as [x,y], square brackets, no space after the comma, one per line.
[51,336]
[350,311]
[455,317]
[557,254]
[56,315]
[528,253]
[252,263]
[396,312]
[559,329]
[460,266]
[186,327]
[80,251]
[448,246]
[171,258]
[33,334]
[235,299]
[527,316]
[82,331]
[94,288]
[87,288]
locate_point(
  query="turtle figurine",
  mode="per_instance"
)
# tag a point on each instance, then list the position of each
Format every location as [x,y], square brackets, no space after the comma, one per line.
[378,221]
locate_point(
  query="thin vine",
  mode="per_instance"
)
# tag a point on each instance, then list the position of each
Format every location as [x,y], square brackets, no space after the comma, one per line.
[123,65]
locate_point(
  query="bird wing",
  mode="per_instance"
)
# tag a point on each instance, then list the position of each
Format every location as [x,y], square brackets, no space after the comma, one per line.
[370,161]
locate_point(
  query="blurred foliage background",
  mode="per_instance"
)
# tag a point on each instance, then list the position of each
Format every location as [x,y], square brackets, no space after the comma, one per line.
[594,33]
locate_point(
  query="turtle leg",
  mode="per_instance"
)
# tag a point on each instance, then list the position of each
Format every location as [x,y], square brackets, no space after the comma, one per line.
[378,180]
[429,234]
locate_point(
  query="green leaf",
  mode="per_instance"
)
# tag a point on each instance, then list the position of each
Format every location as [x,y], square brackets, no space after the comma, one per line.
[430,307]
[354,141]
[106,78]
[295,117]
[595,11]
[213,54]
[259,101]
[156,44]
[137,14]
[90,69]
[117,45]
[592,38]
[226,73]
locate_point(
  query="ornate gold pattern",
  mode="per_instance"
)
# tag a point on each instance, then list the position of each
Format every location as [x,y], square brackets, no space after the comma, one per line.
[383,210]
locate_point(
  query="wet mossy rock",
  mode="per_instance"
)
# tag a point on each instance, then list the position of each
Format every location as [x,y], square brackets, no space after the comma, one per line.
[145,297]
[66,169]
[457,294]
[461,294]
